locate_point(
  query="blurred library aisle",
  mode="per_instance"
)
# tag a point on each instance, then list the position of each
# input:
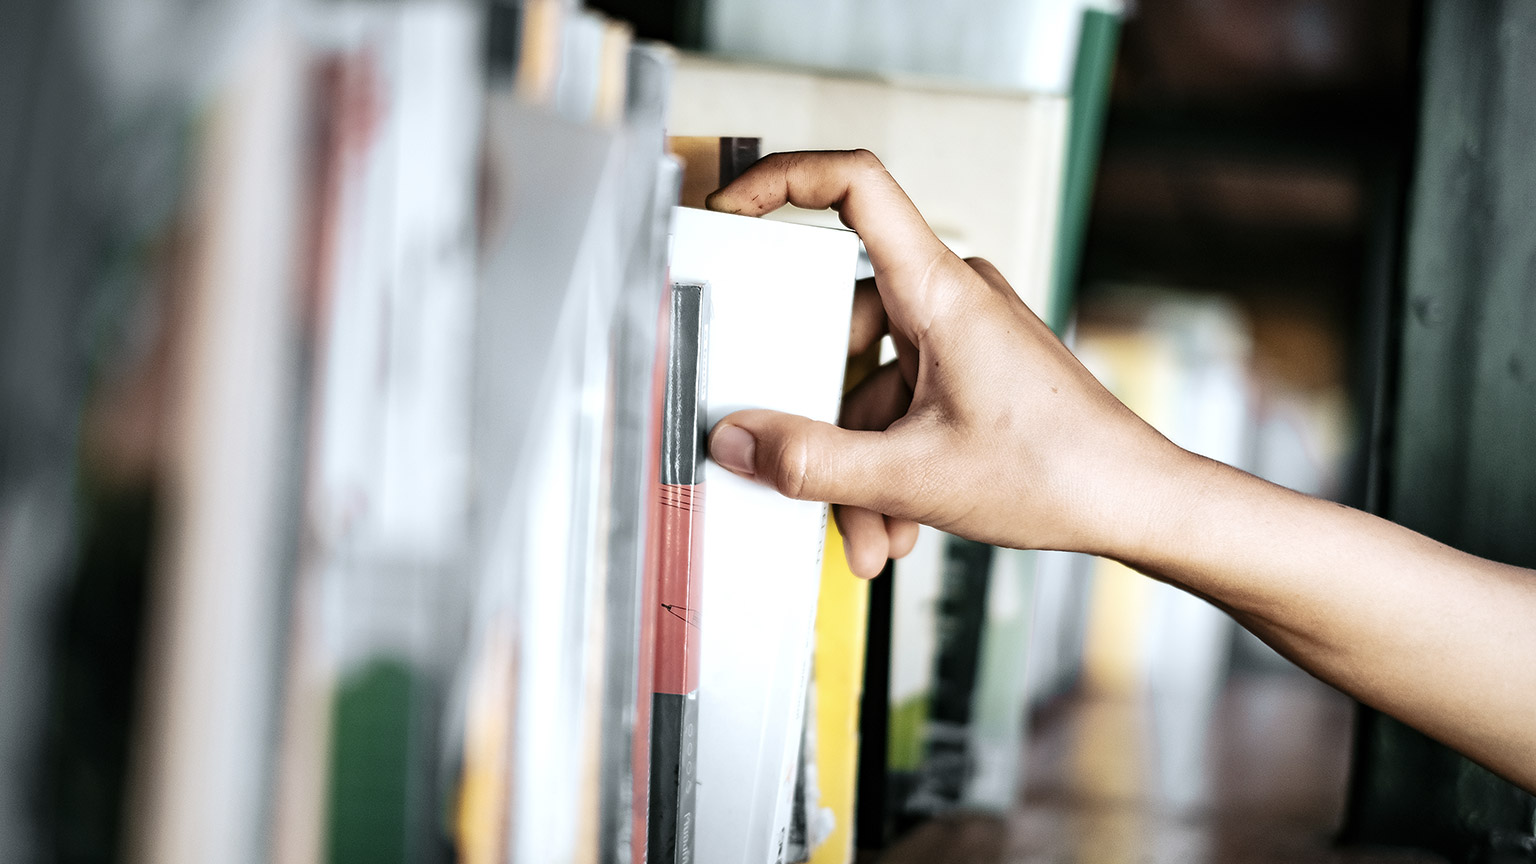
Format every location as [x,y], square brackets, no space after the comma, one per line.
[1116,780]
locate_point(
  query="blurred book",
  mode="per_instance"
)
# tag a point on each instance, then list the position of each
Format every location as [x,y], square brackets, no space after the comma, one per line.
[984,167]
[1182,362]
[214,617]
[842,622]
[710,163]
[549,285]
[650,190]
[995,734]
[917,581]
[382,585]
[948,606]
[1091,76]
[810,823]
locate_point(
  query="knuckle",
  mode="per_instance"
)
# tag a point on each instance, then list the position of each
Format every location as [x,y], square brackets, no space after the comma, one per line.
[867,160]
[792,468]
[977,262]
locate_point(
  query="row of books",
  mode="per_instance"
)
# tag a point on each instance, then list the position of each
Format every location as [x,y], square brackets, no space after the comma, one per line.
[435,567]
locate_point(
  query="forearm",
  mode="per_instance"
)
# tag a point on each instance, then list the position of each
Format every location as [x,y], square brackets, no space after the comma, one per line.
[1437,638]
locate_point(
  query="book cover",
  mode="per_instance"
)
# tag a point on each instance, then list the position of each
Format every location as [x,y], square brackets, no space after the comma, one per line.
[207,707]
[781,296]
[676,540]
[991,184]
[842,618]
[639,329]
[916,583]
[385,497]
[547,300]
[998,708]
[944,590]
[1092,74]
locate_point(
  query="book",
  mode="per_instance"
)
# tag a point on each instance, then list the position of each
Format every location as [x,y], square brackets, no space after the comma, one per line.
[990,185]
[842,618]
[916,582]
[810,823]
[782,297]
[382,590]
[650,188]
[214,613]
[842,621]
[999,705]
[1092,72]
[649,594]
[1180,361]
[937,636]
[948,757]
[711,162]
[558,684]
[676,539]
[549,282]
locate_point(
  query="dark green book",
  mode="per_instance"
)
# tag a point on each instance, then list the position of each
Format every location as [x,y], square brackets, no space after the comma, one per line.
[1091,78]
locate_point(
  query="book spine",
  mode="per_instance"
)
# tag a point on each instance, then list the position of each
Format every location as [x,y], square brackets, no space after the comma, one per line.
[961,624]
[943,723]
[641,754]
[710,163]
[677,539]
[1091,79]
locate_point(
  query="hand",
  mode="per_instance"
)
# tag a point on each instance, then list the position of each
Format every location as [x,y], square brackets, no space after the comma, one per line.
[985,426]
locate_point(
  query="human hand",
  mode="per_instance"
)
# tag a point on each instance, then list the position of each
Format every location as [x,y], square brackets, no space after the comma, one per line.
[985,426]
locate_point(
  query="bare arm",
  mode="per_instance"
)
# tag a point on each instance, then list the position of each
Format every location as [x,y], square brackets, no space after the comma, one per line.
[988,427]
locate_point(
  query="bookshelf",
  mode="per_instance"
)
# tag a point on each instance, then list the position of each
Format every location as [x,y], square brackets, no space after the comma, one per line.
[404,314]
[330,352]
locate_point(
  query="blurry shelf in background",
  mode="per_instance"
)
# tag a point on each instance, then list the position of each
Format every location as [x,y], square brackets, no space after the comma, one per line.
[1273,762]
[1254,146]
[1295,129]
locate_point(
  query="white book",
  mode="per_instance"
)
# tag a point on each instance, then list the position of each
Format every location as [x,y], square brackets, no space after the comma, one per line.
[202,749]
[547,295]
[983,167]
[778,339]
[914,641]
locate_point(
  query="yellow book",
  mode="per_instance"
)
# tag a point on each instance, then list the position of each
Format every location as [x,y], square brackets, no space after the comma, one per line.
[841,617]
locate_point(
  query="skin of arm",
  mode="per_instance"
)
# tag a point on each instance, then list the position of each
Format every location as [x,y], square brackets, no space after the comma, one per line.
[986,426]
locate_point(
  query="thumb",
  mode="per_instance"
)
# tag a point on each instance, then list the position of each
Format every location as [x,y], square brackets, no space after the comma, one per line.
[813,461]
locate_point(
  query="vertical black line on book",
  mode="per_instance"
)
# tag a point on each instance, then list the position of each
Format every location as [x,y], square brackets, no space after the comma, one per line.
[960,623]
[736,156]
[870,830]
[503,31]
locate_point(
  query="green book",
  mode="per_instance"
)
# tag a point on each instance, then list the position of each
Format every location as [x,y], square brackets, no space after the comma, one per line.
[1085,132]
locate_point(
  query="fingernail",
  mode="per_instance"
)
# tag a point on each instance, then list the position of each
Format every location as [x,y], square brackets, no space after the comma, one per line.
[735,448]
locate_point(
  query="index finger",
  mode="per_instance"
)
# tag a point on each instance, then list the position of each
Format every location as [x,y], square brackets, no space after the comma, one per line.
[902,248]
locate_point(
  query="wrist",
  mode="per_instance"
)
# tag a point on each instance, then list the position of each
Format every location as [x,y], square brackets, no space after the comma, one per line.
[1153,513]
